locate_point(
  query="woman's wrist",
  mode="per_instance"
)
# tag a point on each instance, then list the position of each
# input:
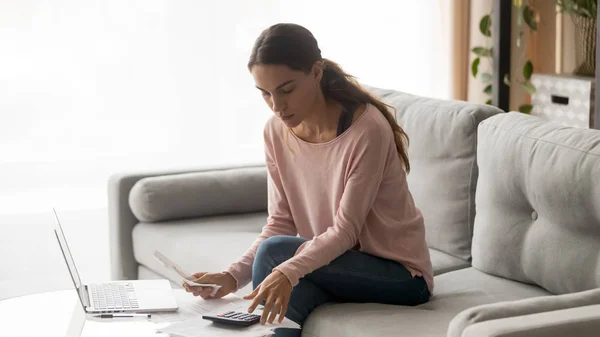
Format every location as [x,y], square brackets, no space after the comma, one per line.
[233,279]
[284,275]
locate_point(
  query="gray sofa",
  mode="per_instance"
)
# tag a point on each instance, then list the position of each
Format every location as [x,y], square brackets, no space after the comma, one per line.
[512,213]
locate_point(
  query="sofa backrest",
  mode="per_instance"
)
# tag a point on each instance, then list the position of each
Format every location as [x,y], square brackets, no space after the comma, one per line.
[538,203]
[198,194]
[442,155]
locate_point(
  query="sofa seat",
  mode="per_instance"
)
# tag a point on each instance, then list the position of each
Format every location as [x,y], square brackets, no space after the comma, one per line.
[453,293]
[187,242]
[443,262]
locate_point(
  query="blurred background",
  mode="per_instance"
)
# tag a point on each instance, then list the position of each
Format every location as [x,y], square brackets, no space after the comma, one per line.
[92,88]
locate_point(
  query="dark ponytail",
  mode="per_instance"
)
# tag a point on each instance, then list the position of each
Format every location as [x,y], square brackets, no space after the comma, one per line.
[295,46]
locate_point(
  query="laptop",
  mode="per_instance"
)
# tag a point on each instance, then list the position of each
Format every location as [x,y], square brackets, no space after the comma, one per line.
[117,296]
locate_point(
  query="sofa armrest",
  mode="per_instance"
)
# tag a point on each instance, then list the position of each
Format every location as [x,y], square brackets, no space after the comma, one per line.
[573,322]
[122,219]
[524,307]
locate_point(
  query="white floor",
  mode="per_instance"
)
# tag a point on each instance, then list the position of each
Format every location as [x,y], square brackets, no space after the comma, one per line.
[30,258]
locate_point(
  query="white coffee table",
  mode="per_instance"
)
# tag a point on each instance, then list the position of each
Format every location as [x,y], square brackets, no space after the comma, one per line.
[59,313]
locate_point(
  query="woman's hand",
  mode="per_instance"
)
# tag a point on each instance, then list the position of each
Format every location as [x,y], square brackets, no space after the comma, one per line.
[225,280]
[275,290]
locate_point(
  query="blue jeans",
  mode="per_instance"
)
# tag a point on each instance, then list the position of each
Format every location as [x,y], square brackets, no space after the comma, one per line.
[352,277]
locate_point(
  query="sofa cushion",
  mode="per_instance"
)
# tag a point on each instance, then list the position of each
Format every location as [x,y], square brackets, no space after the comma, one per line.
[188,242]
[442,154]
[572,322]
[443,263]
[455,292]
[527,306]
[538,203]
[189,195]
[203,244]
[494,288]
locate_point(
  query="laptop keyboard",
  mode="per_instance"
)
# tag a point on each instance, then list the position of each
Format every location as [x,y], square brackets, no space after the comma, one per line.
[113,296]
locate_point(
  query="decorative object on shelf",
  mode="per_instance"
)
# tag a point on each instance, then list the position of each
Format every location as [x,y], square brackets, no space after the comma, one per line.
[566,99]
[583,13]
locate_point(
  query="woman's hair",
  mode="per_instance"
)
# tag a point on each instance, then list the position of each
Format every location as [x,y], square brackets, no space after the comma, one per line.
[295,46]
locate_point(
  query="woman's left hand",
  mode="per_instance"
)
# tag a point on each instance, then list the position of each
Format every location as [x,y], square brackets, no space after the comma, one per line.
[275,290]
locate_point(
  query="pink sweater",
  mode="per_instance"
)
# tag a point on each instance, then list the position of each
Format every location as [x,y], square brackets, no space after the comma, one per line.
[348,193]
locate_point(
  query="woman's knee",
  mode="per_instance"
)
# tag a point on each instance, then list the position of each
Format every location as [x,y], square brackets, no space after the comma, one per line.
[278,248]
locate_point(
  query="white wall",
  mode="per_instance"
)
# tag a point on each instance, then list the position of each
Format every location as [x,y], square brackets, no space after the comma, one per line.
[92,87]
[88,88]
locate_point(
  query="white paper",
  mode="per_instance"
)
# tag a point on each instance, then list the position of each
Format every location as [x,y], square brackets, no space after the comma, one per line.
[197,326]
[191,306]
[202,328]
[286,323]
[185,276]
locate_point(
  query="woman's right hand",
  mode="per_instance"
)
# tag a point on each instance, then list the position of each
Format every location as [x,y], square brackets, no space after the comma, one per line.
[225,280]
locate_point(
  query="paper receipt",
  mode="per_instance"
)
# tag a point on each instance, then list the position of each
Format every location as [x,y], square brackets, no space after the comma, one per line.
[187,277]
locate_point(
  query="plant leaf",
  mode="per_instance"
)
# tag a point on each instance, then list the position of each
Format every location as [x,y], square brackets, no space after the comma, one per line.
[475,66]
[482,52]
[586,8]
[527,70]
[507,79]
[518,3]
[528,17]
[519,16]
[485,24]
[488,89]
[585,12]
[525,108]
[489,101]
[486,77]
[530,88]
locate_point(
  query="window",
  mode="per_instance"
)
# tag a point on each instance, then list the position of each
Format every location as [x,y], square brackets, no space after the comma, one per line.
[92,88]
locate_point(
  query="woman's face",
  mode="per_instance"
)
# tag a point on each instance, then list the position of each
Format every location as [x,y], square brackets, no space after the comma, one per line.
[289,93]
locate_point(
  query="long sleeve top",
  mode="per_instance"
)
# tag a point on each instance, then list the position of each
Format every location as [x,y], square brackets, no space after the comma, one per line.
[347,193]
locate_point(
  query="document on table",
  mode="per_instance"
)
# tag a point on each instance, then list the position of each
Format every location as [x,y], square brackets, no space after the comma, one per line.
[191,306]
[187,321]
[197,327]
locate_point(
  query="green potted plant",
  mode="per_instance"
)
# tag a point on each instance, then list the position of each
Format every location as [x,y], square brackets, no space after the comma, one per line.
[583,13]
[526,15]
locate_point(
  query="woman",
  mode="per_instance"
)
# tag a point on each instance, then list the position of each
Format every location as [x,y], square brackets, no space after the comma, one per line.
[342,224]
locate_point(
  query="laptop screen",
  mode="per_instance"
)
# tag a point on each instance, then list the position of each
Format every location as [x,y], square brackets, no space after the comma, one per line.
[62,242]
